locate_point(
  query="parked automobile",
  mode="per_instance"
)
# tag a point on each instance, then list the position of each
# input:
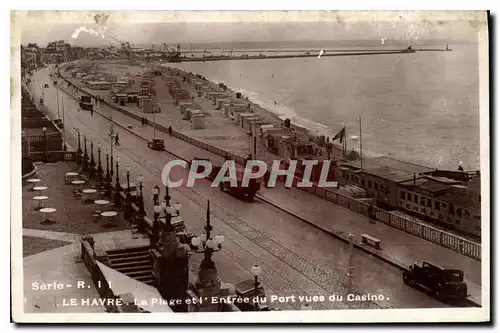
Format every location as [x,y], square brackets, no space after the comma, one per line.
[156,144]
[444,284]
[59,123]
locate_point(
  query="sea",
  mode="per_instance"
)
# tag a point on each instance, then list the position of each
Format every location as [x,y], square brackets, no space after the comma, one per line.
[421,107]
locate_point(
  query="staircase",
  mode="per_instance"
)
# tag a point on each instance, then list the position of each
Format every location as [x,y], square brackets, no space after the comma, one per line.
[134,262]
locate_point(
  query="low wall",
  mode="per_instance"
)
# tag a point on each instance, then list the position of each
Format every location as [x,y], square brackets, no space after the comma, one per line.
[434,235]
[54,156]
[89,257]
[443,238]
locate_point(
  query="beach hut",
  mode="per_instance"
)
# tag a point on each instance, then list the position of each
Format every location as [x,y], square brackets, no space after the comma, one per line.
[213,95]
[220,103]
[239,116]
[189,112]
[182,96]
[240,106]
[147,105]
[185,105]
[140,98]
[99,85]
[119,85]
[121,99]
[247,120]
[198,120]
[204,91]
[110,78]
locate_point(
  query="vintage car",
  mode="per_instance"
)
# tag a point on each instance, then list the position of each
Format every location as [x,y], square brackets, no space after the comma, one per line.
[247,192]
[59,123]
[215,168]
[444,284]
[156,144]
[248,289]
[86,103]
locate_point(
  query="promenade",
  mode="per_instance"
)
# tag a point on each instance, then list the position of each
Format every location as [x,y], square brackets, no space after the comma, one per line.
[296,258]
[398,247]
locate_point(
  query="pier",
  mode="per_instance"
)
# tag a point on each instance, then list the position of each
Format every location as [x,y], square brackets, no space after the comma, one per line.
[305,54]
[285,56]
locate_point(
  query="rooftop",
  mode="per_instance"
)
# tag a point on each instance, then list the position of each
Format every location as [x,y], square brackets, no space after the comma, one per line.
[427,185]
[388,173]
[462,201]
[393,164]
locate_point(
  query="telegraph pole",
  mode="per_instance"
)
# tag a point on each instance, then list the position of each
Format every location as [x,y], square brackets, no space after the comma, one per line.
[360,144]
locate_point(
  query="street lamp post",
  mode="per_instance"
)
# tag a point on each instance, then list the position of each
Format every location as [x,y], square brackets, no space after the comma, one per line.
[79,150]
[85,156]
[117,185]
[111,136]
[108,175]
[45,148]
[92,162]
[128,179]
[256,270]
[167,195]
[156,227]
[207,276]
[156,193]
[350,270]
[99,165]
[141,198]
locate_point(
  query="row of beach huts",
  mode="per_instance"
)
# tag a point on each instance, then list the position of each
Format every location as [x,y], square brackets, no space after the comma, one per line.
[275,138]
[137,89]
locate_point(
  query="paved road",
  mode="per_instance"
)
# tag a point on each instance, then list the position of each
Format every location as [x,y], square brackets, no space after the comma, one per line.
[295,257]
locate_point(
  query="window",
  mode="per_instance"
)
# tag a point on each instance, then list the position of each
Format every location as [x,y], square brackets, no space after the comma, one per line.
[451,209]
[344,174]
[429,203]
[409,196]
[422,201]
[459,212]
[458,222]
[369,184]
[467,213]
[403,195]
[363,182]
[415,198]
[436,205]
[375,186]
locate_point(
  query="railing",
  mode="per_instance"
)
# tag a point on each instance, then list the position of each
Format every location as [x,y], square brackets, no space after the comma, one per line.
[434,235]
[440,237]
[102,285]
[54,156]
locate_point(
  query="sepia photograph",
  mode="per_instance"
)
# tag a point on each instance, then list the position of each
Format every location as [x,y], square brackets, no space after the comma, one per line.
[250,166]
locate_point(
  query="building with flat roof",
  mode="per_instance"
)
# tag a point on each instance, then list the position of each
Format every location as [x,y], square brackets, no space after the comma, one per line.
[449,202]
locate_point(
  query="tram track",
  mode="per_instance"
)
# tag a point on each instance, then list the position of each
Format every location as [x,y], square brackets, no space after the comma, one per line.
[152,169]
[240,226]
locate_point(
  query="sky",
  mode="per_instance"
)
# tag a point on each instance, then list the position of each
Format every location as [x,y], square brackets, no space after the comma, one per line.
[156,28]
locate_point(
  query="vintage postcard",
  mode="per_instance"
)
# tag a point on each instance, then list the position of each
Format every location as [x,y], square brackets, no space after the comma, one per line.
[250,166]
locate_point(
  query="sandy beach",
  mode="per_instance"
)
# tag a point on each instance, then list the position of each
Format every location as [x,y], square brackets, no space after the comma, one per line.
[220,131]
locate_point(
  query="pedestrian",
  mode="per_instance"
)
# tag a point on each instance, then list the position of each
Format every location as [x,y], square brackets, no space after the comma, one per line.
[117,140]
[169,130]
[371,214]
[92,112]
